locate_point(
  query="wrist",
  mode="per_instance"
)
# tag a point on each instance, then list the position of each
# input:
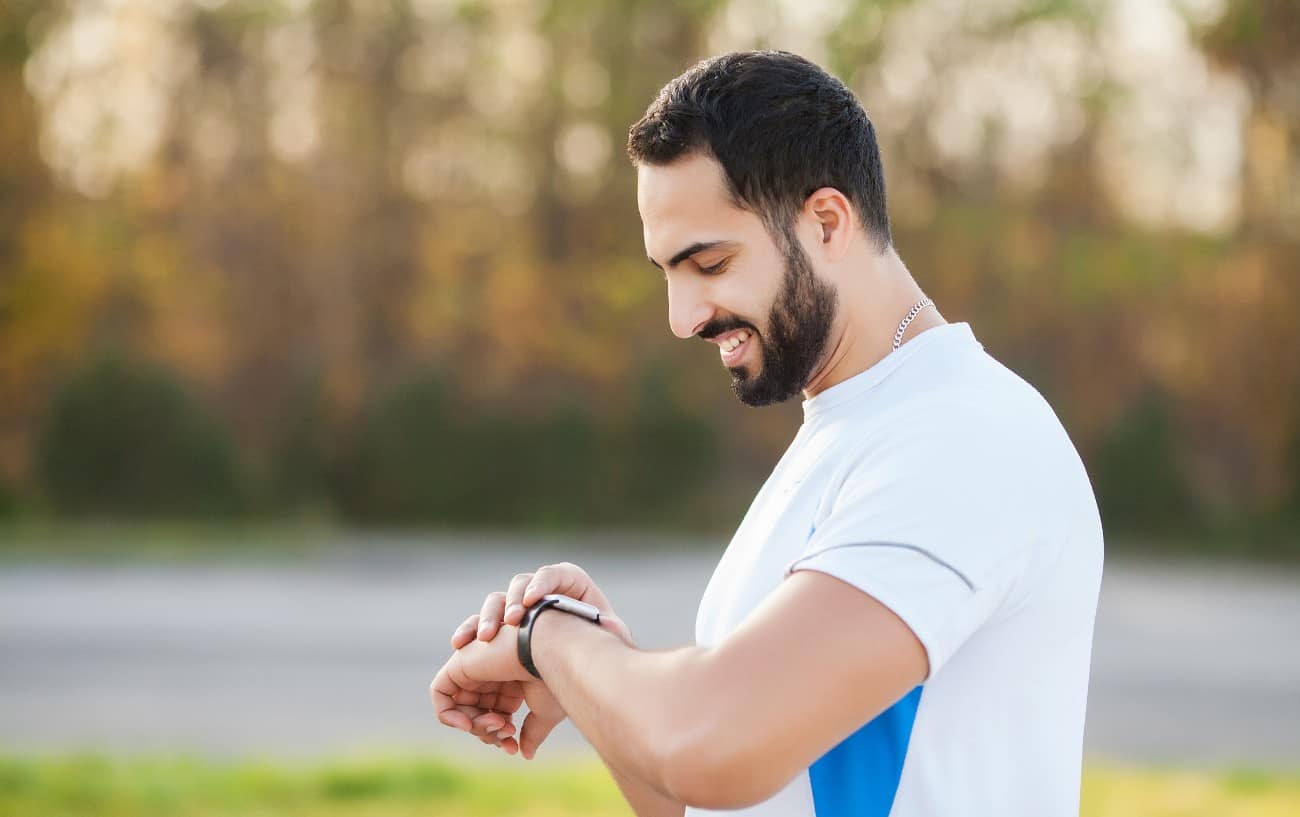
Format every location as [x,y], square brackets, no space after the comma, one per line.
[566,604]
[524,636]
[551,630]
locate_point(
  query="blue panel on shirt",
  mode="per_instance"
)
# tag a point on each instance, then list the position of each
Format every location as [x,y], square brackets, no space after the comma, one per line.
[859,777]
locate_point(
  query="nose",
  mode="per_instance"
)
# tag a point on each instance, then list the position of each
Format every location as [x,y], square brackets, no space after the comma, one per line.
[688,308]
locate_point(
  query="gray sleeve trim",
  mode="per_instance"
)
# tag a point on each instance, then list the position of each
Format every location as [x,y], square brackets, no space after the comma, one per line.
[969,584]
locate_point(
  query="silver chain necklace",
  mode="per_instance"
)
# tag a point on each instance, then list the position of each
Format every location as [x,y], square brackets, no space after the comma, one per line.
[912,313]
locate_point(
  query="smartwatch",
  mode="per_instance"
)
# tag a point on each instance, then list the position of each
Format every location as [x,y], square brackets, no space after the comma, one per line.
[581,609]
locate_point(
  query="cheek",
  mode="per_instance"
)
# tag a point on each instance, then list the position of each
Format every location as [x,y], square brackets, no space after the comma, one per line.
[749,300]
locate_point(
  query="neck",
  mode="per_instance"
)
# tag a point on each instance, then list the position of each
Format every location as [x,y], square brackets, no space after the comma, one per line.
[871,307]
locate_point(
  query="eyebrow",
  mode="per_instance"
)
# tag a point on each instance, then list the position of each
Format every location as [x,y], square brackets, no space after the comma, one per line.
[698,246]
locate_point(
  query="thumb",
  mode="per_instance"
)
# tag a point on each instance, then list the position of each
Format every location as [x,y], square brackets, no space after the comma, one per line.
[534,731]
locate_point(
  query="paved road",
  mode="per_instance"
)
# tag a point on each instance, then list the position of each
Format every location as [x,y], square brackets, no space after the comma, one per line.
[333,653]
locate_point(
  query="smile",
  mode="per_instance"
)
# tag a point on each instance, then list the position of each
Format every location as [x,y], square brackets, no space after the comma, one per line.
[732,348]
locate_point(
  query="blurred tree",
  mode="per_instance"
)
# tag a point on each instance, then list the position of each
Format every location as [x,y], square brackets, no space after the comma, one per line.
[1141,485]
[402,466]
[247,191]
[665,458]
[124,438]
[301,454]
[50,286]
[1290,504]
[8,501]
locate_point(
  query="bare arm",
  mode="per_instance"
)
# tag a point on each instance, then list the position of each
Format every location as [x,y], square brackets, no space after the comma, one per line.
[572,580]
[697,725]
[645,800]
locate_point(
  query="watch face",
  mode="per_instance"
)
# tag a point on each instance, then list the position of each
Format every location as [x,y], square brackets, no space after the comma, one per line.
[572,605]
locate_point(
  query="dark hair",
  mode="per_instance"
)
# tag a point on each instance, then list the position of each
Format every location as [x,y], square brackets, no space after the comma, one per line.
[780,126]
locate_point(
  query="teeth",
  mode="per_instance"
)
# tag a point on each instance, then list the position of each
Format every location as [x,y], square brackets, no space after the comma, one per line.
[730,344]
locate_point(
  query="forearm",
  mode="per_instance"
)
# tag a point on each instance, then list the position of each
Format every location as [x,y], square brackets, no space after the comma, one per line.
[634,706]
[645,800]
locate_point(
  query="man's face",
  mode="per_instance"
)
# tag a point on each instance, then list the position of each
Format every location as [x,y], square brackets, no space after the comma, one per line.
[729,281]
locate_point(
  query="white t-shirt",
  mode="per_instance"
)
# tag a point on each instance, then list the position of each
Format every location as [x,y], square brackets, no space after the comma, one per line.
[943,485]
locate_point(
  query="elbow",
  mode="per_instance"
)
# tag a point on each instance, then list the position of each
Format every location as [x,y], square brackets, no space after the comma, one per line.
[715,772]
[708,749]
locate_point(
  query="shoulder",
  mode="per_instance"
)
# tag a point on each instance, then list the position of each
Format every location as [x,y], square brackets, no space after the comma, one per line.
[981,409]
[952,426]
[964,456]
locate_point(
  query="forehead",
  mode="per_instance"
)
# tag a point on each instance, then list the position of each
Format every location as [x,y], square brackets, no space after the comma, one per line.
[687,201]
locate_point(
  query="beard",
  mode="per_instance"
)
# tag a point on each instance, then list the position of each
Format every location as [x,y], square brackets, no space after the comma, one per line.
[797,329]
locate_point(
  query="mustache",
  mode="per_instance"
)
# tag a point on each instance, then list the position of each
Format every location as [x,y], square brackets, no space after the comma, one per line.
[719,326]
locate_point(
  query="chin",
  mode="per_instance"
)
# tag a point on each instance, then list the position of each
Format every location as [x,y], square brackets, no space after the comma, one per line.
[756,395]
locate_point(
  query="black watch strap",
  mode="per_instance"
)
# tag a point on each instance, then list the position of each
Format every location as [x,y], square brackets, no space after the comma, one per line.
[525,636]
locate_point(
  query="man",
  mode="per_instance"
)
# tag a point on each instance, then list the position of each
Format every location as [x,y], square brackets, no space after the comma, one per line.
[903,622]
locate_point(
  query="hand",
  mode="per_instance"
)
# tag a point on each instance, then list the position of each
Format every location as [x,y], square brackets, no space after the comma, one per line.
[525,590]
[493,715]
[545,712]
[483,684]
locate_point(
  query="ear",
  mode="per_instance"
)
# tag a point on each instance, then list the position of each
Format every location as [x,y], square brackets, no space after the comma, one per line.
[833,215]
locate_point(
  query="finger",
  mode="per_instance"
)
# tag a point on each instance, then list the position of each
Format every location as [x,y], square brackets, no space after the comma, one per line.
[465,632]
[506,700]
[490,616]
[488,722]
[479,722]
[488,699]
[514,598]
[467,697]
[533,733]
[484,722]
[568,579]
[510,697]
[500,723]
[448,685]
[441,692]
[509,745]
[455,718]
[470,713]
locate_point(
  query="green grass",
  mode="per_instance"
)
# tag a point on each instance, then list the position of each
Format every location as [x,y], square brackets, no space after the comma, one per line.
[96,786]
[1114,792]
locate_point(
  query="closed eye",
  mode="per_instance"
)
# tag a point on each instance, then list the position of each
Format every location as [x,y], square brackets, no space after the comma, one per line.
[716,268]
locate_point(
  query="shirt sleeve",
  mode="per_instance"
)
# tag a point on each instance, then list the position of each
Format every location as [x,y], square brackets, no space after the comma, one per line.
[937,524]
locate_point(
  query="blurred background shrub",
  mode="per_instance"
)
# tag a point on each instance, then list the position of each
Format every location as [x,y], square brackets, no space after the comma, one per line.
[1141,481]
[123,438]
